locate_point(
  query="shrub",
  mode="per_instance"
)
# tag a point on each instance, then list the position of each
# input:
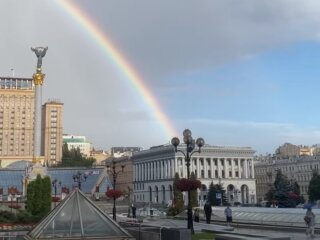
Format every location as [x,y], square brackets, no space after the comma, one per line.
[6,216]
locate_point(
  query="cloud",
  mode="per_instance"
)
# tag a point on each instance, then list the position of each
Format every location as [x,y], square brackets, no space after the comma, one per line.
[173,36]
[261,136]
[163,40]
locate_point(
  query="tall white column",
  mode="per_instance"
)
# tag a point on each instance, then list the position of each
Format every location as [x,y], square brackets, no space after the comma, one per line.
[252,168]
[212,168]
[169,168]
[205,166]
[198,168]
[137,172]
[151,171]
[226,168]
[219,168]
[245,168]
[239,168]
[184,168]
[165,169]
[176,166]
[37,123]
[232,168]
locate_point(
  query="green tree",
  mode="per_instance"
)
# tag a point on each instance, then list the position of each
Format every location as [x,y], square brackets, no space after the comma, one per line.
[286,193]
[213,190]
[46,195]
[178,203]
[314,187]
[74,158]
[194,193]
[39,196]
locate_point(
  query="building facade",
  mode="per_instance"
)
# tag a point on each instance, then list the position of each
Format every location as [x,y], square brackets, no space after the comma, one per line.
[17,99]
[298,169]
[233,167]
[52,131]
[80,142]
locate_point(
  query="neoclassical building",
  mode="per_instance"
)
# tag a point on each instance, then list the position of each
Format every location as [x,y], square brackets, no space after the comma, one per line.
[233,167]
[298,169]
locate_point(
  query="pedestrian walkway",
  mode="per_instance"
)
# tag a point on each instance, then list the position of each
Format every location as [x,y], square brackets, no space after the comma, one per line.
[198,227]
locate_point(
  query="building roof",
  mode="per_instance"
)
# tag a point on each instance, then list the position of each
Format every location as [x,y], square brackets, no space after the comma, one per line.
[77,217]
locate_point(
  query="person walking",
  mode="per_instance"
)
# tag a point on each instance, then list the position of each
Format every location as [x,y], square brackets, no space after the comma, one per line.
[309,219]
[196,215]
[228,213]
[208,211]
[134,209]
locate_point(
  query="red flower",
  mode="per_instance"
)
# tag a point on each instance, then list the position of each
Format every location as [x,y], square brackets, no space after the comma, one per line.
[14,206]
[65,190]
[113,193]
[12,190]
[188,184]
[55,199]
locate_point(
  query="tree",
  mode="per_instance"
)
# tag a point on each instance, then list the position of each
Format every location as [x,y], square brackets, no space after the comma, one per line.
[194,193]
[286,193]
[74,158]
[314,187]
[178,203]
[39,196]
[215,191]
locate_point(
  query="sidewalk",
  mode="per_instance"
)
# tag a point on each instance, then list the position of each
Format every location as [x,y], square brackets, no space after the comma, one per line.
[198,227]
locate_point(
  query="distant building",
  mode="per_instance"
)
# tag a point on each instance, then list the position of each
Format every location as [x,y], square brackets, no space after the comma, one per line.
[124,179]
[16,119]
[123,151]
[52,131]
[80,142]
[298,169]
[287,150]
[233,167]
[99,155]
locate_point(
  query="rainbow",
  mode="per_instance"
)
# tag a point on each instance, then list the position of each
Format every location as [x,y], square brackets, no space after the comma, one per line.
[133,77]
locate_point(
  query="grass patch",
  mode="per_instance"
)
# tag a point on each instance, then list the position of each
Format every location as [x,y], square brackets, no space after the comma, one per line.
[204,235]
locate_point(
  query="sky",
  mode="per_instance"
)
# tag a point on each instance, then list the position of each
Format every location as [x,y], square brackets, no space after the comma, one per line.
[237,73]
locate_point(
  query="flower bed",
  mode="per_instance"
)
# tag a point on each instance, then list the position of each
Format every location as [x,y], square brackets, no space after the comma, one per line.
[55,199]
[113,193]
[188,184]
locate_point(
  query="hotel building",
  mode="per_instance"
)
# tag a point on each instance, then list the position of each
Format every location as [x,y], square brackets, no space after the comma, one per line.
[17,109]
[52,131]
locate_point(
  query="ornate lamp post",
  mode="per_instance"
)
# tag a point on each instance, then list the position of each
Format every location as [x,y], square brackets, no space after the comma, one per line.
[54,185]
[189,151]
[112,170]
[79,178]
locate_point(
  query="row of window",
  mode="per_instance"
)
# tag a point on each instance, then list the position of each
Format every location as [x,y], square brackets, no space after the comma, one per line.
[305,167]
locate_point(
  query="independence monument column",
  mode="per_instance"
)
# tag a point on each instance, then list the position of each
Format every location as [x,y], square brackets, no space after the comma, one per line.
[38,78]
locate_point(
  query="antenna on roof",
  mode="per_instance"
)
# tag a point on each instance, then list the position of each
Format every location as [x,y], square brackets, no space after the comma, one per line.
[12,72]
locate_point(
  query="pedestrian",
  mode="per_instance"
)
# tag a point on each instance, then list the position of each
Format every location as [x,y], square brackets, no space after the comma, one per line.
[133,211]
[228,213]
[196,215]
[208,211]
[309,219]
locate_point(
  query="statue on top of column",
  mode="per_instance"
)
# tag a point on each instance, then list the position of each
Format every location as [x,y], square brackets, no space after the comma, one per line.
[40,53]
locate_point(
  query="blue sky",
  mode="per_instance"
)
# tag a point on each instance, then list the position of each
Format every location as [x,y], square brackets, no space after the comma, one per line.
[241,73]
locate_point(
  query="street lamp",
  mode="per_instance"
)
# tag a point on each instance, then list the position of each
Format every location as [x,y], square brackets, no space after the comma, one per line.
[114,173]
[54,185]
[79,178]
[189,151]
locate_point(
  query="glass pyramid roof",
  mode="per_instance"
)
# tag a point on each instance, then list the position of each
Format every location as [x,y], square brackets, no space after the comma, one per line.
[77,217]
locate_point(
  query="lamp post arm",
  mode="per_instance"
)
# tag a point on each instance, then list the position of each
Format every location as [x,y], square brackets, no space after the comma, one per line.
[196,151]
[177,150]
